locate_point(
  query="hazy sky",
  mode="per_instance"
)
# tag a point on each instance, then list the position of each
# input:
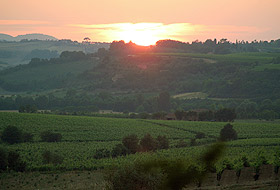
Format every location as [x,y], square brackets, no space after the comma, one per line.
[107,20]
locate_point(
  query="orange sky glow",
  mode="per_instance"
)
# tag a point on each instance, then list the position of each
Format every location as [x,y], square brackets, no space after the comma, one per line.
[143,22]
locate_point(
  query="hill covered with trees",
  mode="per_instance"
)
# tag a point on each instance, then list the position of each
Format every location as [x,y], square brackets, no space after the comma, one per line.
[127,77]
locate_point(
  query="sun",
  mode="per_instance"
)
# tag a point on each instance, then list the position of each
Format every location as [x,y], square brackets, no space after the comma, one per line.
[144,34]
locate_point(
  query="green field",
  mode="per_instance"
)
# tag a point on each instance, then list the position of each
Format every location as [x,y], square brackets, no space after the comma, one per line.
[82,136]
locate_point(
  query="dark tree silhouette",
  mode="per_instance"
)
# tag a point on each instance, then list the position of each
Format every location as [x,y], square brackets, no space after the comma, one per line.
[228,133]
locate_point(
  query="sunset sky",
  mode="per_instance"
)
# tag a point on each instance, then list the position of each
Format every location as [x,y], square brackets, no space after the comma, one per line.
[144,22]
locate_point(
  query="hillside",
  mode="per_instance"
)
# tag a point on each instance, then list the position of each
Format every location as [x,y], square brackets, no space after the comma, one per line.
[130,78]
[14,53]
[26,37]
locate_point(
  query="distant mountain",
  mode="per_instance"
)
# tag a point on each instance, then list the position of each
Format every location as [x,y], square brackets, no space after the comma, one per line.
[6,37]
[26,36]
[35,37]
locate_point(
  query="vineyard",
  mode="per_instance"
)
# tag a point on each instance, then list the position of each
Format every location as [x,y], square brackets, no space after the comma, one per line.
[82,136]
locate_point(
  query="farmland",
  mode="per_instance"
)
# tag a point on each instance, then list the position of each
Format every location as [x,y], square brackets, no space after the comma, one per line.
[82,136]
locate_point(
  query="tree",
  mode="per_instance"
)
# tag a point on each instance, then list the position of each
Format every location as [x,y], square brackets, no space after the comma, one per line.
[180,114]
[163,102]
[225,115]
[148,143]
[228,133]
[131,143]
[162,142]
[268,115]
[11,135]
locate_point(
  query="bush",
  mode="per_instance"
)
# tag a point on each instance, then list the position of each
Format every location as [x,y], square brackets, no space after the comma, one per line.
[119,150]
[11,135]
[131,143]
[148,143]
[228,133]
[48,136]
[51,158]
[101,153]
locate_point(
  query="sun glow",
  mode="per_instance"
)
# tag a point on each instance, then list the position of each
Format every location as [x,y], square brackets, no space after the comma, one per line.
[140,33]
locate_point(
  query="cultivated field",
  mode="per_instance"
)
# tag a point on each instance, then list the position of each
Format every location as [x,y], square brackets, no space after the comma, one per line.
[82,136]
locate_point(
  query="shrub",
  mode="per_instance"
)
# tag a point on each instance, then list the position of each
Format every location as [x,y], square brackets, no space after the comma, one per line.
[148,143]
[119,150]
[11,135]
[51,158]
[162,142]
[101,153]
[48,136]
[131,143]
[228,133]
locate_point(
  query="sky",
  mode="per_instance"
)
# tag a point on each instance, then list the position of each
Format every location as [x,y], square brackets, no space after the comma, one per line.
[144,22]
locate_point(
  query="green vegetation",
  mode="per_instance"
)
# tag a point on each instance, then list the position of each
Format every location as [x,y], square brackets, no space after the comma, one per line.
[84,137]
